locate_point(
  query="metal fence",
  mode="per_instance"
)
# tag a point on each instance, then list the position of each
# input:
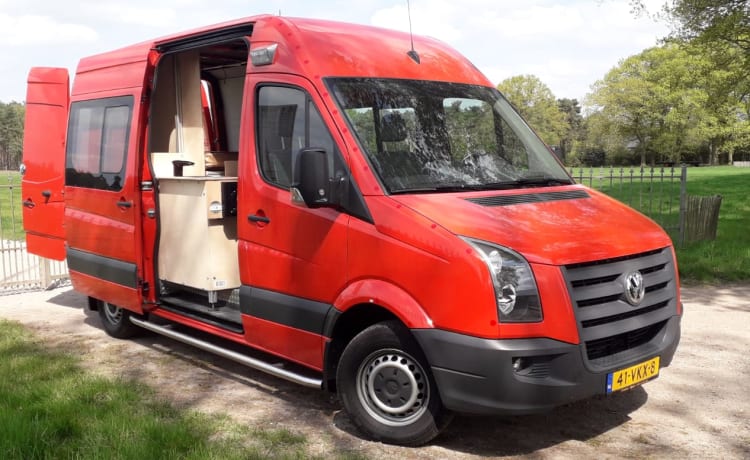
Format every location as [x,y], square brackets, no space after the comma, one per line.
[20,270]
[660,192]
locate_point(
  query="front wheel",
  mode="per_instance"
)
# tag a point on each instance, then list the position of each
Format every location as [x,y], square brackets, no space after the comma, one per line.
[116,321]
[387,389]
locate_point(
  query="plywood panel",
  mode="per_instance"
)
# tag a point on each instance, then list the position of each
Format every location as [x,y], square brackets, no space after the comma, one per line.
[194,250]
[191,112]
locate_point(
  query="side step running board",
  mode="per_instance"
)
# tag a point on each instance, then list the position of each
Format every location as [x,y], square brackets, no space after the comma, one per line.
[263,366]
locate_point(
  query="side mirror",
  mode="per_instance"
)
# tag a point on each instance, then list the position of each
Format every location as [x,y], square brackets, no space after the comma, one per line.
[311,184]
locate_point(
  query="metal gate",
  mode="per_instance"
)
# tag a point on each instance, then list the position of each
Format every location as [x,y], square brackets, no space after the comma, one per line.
[20,270]
[660,192]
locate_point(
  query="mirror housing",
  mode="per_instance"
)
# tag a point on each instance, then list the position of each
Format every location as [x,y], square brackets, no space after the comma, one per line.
[311,185]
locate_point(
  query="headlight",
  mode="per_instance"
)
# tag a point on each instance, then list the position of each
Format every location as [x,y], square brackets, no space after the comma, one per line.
[516,294]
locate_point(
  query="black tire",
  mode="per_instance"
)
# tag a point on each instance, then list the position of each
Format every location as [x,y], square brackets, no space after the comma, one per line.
[386,387]
[116,321]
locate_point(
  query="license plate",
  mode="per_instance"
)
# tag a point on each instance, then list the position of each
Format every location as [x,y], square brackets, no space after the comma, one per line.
[633,375]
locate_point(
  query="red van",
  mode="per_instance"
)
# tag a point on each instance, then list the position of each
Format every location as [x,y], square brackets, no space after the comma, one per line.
[374,214]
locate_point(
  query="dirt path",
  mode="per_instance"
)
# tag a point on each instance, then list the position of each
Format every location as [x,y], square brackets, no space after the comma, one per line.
[698,408]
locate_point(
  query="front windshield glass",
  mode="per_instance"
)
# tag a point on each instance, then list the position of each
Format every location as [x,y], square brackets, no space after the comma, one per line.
[425,136]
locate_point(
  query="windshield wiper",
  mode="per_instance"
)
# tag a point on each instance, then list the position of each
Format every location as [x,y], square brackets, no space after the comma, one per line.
[540,181]
[437,189]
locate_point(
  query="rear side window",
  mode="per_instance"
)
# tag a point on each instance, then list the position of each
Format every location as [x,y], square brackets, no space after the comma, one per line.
[98,143]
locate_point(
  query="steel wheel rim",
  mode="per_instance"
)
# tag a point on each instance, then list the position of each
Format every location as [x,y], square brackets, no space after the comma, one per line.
[112,313]
[392,387]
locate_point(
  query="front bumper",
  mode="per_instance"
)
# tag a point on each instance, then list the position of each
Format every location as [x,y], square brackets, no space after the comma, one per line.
[476,376]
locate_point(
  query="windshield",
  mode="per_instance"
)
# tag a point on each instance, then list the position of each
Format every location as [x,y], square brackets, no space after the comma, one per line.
[425,136]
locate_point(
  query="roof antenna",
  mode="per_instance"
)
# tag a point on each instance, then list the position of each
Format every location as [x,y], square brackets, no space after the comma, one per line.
[411,53]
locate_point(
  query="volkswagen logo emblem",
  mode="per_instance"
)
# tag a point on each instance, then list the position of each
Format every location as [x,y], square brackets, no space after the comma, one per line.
[635,290]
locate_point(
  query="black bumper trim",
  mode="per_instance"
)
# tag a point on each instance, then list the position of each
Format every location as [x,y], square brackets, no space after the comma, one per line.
[106,268]
[476,376]
[304,314]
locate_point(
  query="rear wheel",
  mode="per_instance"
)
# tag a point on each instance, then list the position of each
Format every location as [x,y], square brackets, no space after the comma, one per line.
[116,321]
[386,387]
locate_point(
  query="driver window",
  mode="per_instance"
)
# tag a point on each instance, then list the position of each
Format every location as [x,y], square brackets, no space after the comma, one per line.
[288,122]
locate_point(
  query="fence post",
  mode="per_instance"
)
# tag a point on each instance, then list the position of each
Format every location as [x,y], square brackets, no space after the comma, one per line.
[683,204]
[45,272]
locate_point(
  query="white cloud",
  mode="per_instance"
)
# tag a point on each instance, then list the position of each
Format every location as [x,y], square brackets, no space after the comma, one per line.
[568,44]
[38,30]
[137,15]
[532,22]
[435,19]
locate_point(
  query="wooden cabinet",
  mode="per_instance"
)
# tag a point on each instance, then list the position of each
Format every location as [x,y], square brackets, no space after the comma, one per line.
[198,240]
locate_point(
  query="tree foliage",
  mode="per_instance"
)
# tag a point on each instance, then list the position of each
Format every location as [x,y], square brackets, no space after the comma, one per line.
[574,128]
[669,102]
[536,103]
[708,21]
[11,134]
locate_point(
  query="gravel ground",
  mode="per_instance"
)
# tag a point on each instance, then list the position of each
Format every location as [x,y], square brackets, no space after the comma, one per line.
[698,408]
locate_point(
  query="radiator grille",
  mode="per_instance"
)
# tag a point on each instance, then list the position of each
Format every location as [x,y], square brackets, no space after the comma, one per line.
[612,329]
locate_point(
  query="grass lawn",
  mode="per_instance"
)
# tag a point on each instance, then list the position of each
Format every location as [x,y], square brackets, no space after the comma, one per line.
[11,225]
[727,259]
[50,408]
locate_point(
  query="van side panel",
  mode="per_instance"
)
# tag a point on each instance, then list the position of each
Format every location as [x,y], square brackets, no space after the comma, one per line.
[300,346]
[94,286]
[94,228]
[102,204]
[47,102]
[110,72]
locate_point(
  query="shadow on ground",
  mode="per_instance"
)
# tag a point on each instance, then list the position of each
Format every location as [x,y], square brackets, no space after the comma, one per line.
[483,436]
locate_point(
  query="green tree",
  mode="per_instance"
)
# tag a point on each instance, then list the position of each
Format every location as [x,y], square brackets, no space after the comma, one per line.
[707,20]
[471,128]
[536,103]
[727,124]
[603,142]
[721,28]
[574,126]
[655,101]
[11,134]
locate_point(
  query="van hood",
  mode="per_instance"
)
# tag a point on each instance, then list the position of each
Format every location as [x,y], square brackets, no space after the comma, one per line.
[556,226]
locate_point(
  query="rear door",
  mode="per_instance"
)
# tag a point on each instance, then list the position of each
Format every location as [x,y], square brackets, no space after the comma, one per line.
[47,101]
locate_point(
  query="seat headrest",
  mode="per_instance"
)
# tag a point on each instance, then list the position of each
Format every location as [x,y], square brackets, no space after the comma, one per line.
[392,127]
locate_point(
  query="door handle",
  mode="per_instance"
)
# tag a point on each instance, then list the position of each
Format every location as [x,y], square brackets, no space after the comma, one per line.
[125,204]
[28,203]
[257,218]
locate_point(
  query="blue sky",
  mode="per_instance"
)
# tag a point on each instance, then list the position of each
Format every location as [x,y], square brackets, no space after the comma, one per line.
[568,44]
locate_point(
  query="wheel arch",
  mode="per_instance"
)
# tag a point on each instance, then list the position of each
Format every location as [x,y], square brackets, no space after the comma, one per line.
[359,306]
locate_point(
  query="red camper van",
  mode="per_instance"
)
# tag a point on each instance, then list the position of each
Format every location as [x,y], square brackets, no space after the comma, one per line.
[376,215]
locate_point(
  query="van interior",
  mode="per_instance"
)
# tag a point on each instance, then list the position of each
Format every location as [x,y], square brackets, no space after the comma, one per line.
[194,141]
